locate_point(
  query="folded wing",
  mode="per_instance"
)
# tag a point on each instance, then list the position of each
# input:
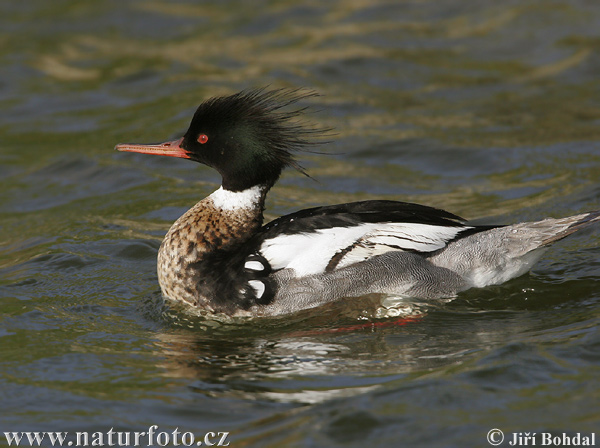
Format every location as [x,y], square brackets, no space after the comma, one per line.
[322,239]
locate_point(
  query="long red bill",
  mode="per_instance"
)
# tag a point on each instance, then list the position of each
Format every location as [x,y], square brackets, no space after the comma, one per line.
[171,149]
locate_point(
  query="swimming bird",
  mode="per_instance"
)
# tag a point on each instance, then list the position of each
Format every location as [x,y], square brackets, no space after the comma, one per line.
[220,258]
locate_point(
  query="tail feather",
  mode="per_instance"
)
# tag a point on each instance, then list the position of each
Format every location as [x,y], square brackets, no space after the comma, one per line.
[574,224]
[497,255]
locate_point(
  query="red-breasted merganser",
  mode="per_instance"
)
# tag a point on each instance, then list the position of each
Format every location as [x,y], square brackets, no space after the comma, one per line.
[219,257]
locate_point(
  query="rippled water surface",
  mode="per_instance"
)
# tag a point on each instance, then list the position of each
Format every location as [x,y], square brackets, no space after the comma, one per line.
[488,109]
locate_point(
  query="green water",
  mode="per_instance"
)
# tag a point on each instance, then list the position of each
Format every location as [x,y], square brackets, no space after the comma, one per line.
[490,110]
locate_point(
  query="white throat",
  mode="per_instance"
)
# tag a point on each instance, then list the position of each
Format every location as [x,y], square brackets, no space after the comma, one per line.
[235,200]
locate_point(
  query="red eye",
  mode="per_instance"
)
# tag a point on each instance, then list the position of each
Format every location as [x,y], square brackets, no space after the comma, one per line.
[202,139]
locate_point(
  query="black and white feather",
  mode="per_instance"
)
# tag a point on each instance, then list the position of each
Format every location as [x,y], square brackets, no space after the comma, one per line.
[322,239]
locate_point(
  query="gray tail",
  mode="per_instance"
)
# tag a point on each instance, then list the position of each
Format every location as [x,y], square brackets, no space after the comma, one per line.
[573,224]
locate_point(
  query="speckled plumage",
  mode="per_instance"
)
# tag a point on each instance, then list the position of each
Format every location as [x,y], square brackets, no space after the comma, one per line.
[185,255]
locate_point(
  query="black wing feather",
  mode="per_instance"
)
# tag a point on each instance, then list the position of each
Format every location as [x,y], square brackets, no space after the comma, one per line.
[355,213]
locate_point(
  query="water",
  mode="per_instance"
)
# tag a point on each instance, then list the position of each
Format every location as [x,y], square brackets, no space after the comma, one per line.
[490,110]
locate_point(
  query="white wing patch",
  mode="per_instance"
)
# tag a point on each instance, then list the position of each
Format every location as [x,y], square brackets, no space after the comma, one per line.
[310,253]
[258,286]
[254,266]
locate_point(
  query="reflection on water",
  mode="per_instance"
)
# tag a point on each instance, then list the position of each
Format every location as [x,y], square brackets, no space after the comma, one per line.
[311,359]
[480,76]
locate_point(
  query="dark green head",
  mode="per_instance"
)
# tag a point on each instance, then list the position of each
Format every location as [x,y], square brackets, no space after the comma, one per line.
[248,137]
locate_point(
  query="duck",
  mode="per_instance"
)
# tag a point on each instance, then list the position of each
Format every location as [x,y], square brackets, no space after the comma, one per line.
[219,258]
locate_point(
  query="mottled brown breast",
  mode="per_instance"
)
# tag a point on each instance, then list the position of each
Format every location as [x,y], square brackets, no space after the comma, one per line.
[200,232]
